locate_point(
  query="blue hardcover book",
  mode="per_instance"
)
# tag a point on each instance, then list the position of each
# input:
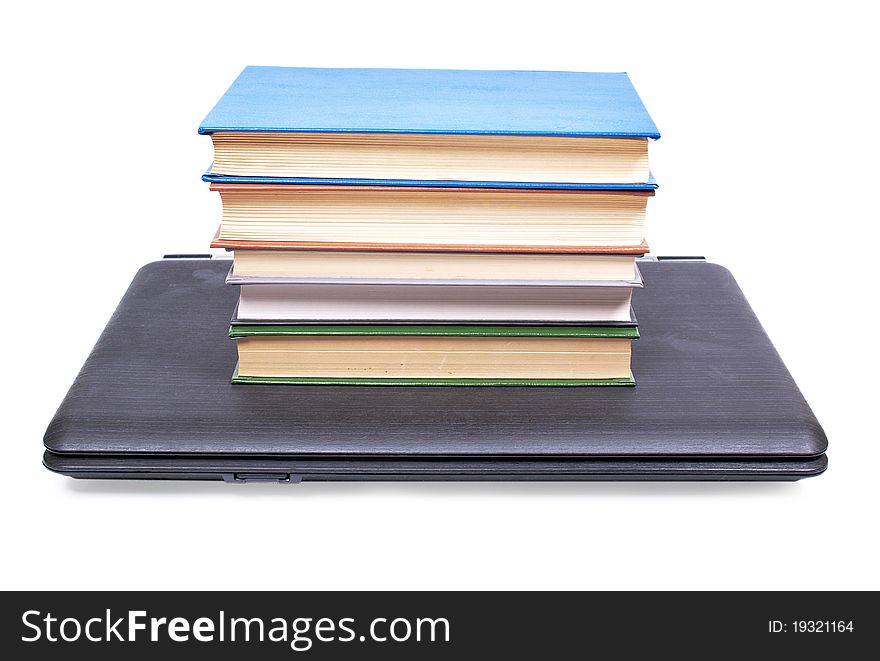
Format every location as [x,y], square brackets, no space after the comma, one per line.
[548,103]
[431,127]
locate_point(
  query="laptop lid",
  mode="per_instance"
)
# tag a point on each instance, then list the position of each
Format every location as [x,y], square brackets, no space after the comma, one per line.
[709,385]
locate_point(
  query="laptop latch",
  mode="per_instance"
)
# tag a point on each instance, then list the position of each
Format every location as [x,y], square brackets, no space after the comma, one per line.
[242,478]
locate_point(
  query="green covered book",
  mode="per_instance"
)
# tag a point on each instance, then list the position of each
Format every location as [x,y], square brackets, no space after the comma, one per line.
[434,355]
[423,330]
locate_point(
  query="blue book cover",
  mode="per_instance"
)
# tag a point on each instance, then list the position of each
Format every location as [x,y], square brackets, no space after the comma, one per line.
[431,101]
[210,177]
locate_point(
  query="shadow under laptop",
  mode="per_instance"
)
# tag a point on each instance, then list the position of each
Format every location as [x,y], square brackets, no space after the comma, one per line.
[446,488]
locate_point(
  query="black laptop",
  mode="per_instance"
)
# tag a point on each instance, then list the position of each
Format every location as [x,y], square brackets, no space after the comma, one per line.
[713,401]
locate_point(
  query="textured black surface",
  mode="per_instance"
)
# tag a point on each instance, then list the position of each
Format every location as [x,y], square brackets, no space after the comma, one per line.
[710,385]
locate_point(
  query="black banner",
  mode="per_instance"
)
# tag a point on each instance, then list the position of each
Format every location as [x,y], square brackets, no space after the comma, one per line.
[289,625]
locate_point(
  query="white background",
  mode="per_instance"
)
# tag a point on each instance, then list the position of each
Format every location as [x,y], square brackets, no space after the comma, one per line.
[767,165]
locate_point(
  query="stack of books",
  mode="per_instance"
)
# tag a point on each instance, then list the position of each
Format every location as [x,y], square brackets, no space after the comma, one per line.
[432,227]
